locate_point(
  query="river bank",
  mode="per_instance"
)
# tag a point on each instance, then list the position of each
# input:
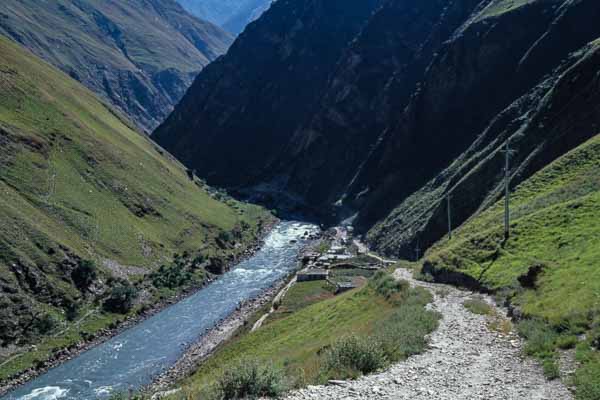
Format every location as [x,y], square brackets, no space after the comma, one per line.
[66,354]
[195,354]
[225,330]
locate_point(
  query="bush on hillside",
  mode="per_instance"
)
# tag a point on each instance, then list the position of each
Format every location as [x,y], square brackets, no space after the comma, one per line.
[387,286]
[121,298]
[84,274]
[45,323]
[171,277]
[351,356]
[404,333]
[250,379]
[587,380]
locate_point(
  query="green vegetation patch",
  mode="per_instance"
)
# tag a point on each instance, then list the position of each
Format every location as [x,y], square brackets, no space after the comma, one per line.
[499,7]
[548,268]
[313,343]
[302,295]
[79,187]
[478,306]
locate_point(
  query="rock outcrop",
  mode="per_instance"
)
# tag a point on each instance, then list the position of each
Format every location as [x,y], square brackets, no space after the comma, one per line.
[387,118]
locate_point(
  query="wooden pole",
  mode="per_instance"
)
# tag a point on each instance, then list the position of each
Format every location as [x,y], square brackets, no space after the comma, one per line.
[448,198]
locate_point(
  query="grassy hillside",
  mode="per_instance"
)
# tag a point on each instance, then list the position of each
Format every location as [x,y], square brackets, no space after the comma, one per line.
[298,341]
[549,268]
[78,184]
[140,55]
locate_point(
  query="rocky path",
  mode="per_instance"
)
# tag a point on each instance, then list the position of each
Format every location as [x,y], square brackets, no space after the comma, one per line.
[467,359]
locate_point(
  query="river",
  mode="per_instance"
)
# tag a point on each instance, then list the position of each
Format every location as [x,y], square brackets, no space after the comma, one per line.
[133,358]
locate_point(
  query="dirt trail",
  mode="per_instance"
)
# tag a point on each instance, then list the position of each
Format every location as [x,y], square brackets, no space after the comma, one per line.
[466,360]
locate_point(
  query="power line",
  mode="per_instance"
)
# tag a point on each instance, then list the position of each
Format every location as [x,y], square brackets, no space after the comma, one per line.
[417,251]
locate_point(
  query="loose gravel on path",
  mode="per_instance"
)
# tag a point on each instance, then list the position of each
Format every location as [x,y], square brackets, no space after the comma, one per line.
[466,360]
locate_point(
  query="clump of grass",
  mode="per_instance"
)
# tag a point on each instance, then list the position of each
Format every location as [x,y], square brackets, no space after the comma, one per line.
[587,377]
[352,356]
[424,276]
[541,343]
[501,325]
[404,333]
[385,285]
[250,379]
[478,306]
[566,342]
[540,337]
[396,338]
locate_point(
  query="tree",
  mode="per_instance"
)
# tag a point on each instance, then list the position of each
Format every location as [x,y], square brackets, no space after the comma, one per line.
[121,298]
[84,274]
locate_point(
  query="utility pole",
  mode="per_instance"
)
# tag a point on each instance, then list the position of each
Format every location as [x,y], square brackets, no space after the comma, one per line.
[418,251]
[448,198]
[507,153]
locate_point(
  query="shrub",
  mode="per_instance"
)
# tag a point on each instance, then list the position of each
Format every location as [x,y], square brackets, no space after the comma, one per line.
[250,379]
[403,333]
[351,356]
[478,306]
[587,381]
[171,277]
[84,274]
[540,337]
[541,343]
[121,298]
[71,309]
[550,368]
[385,285]
[45,323]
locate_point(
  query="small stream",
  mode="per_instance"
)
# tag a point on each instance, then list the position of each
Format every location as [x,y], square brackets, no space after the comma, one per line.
[133,358]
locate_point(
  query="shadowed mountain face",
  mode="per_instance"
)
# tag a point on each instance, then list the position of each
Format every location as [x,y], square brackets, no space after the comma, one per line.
[232,15]
[413,98]
[141,55]
[240,111]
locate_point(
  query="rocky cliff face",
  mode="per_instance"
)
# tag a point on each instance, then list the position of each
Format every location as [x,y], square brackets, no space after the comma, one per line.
[384,122]
[374,79]
[141,55]
[238,115]
[463,98]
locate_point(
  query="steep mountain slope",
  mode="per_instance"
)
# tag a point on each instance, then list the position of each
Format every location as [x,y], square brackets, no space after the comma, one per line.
[78,186]
[141,55]
[444,121]
[232,15]
[241,109]
[375,77]
[417,104]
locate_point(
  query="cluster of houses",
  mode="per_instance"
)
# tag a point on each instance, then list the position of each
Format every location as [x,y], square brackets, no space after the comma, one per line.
[319,266]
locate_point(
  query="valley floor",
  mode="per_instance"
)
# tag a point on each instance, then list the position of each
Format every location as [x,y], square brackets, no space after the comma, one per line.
[471,356]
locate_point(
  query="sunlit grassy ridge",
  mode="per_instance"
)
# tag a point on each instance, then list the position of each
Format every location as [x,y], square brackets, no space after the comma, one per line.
[550,266]
[498,7]
[556,224]
[82,168]
[76,182]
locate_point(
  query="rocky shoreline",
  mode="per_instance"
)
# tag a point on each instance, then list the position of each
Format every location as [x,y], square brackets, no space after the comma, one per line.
[200,350]
[105,334]
[207,343]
